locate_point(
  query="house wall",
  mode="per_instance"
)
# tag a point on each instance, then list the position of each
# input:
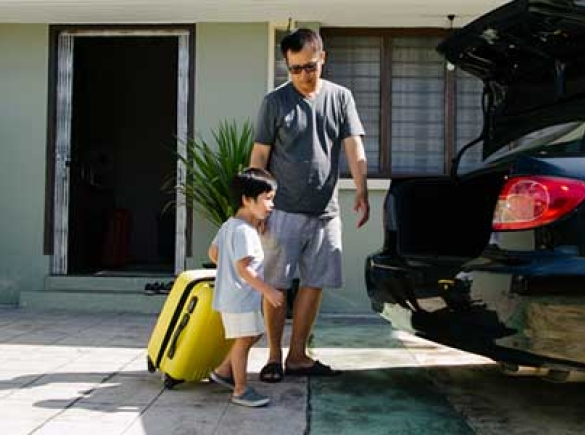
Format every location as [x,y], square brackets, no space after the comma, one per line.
[357,244]
[233,64]
[230,80]
[23,102]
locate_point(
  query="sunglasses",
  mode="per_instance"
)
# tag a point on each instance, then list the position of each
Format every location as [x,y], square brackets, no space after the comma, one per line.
[308,67]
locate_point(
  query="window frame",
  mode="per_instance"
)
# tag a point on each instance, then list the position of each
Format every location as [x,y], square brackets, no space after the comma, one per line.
[385,133]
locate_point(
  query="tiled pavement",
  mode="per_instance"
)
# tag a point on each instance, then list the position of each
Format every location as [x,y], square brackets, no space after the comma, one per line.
[67,373]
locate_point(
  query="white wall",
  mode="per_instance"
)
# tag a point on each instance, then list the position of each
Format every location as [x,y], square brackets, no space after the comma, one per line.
[231,72]
[230,80]
[232,76]
[23,96]
[357,244]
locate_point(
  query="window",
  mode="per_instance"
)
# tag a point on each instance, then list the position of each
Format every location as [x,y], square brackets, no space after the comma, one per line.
[417,101]
[355,64]
[416,112]
[280,70]
[468,118]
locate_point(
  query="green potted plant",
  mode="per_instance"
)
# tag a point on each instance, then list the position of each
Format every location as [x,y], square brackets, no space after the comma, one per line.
[209,170]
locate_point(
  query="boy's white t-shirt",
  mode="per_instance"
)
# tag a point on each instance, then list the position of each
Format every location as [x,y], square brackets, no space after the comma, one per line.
[237,239]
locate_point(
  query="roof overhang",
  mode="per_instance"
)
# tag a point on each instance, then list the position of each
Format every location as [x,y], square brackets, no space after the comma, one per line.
[331,13]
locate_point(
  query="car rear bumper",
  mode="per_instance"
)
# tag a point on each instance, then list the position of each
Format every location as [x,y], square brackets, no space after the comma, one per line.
[492,318]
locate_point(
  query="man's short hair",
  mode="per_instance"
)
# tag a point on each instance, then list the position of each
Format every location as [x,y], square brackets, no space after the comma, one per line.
[299,39]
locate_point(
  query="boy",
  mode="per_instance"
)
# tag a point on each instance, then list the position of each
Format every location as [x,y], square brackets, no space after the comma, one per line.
[239,284]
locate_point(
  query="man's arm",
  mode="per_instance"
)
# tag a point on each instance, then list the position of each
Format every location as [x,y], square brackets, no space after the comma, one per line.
[358,166]
[260,156]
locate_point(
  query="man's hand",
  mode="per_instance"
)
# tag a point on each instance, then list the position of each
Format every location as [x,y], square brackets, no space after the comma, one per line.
[362,206]
[358,166]
[274,297]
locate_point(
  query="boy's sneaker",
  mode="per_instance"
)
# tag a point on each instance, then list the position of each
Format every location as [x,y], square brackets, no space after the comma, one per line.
[222,380]
[250,398]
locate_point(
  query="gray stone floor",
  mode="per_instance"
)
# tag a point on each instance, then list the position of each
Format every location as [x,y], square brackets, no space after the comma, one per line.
[68,373]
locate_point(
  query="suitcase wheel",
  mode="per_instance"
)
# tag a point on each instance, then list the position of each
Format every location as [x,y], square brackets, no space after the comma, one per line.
[150,365]
[170,382]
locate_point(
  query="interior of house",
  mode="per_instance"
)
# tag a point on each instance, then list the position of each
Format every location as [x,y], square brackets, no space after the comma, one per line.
[123,147]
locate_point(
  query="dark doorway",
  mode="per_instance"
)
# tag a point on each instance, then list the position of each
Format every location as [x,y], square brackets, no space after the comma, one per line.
[124,118]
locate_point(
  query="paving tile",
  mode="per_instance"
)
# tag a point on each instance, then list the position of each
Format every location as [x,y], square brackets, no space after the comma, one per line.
[54,396]
[10,378]
[82,374]
[286,413]
[122,390]
[15,411]
[19,427]
[364,359]
[179,421]
[85,427]
[393,401]
[100,414]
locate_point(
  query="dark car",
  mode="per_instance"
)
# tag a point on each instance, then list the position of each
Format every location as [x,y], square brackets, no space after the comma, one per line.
[492,260]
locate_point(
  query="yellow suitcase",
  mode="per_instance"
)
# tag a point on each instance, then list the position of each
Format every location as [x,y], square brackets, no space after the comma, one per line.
[188,341]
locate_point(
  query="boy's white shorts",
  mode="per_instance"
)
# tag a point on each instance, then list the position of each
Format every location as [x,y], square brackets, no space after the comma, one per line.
[243,324]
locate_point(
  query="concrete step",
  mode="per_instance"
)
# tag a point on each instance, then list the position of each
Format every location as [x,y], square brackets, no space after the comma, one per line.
[92,301]
[104,283]
[97,294]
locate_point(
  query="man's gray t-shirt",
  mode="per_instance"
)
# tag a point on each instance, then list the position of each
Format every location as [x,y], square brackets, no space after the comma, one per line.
[235,240]
[306,138]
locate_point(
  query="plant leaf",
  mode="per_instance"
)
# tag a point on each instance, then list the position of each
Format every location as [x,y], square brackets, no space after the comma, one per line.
[209,170]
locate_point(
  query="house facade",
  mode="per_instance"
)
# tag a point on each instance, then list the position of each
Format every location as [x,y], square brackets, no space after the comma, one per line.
[97,96]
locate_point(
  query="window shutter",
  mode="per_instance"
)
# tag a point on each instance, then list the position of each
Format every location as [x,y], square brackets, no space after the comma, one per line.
[280,70]
[469,118]
[417,74]
[354,62]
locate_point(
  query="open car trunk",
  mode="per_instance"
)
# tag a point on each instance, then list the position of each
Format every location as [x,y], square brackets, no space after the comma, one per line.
[434,225]
[444,216]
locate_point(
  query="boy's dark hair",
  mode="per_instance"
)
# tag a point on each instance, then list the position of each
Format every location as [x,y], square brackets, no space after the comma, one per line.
[299,39]
[250,183]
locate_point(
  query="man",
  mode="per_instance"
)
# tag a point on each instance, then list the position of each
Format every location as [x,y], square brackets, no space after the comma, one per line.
[301,128]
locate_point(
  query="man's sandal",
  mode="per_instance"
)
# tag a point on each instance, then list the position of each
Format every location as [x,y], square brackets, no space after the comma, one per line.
[317,369]
[272,372]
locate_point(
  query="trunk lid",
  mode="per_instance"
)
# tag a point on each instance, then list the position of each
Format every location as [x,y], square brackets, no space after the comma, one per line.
[529,54]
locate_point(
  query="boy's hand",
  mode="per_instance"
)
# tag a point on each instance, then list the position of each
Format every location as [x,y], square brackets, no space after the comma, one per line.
[275,297]
[261,226]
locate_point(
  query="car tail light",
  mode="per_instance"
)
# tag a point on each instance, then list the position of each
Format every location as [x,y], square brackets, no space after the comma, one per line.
[530,202]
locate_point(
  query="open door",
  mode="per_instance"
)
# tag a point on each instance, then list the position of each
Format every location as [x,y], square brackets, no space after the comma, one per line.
[122,103]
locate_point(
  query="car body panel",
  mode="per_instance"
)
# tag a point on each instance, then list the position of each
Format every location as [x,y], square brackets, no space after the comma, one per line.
[444,274]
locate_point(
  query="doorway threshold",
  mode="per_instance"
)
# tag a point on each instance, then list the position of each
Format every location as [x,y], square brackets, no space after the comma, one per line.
[131,273]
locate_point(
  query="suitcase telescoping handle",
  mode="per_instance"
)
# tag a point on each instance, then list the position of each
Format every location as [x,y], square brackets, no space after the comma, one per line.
[182,324]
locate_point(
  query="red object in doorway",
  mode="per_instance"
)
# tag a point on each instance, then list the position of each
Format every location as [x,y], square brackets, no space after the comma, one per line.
[116,250]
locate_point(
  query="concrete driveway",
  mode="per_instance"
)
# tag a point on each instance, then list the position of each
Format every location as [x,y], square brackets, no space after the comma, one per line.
[73,373]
